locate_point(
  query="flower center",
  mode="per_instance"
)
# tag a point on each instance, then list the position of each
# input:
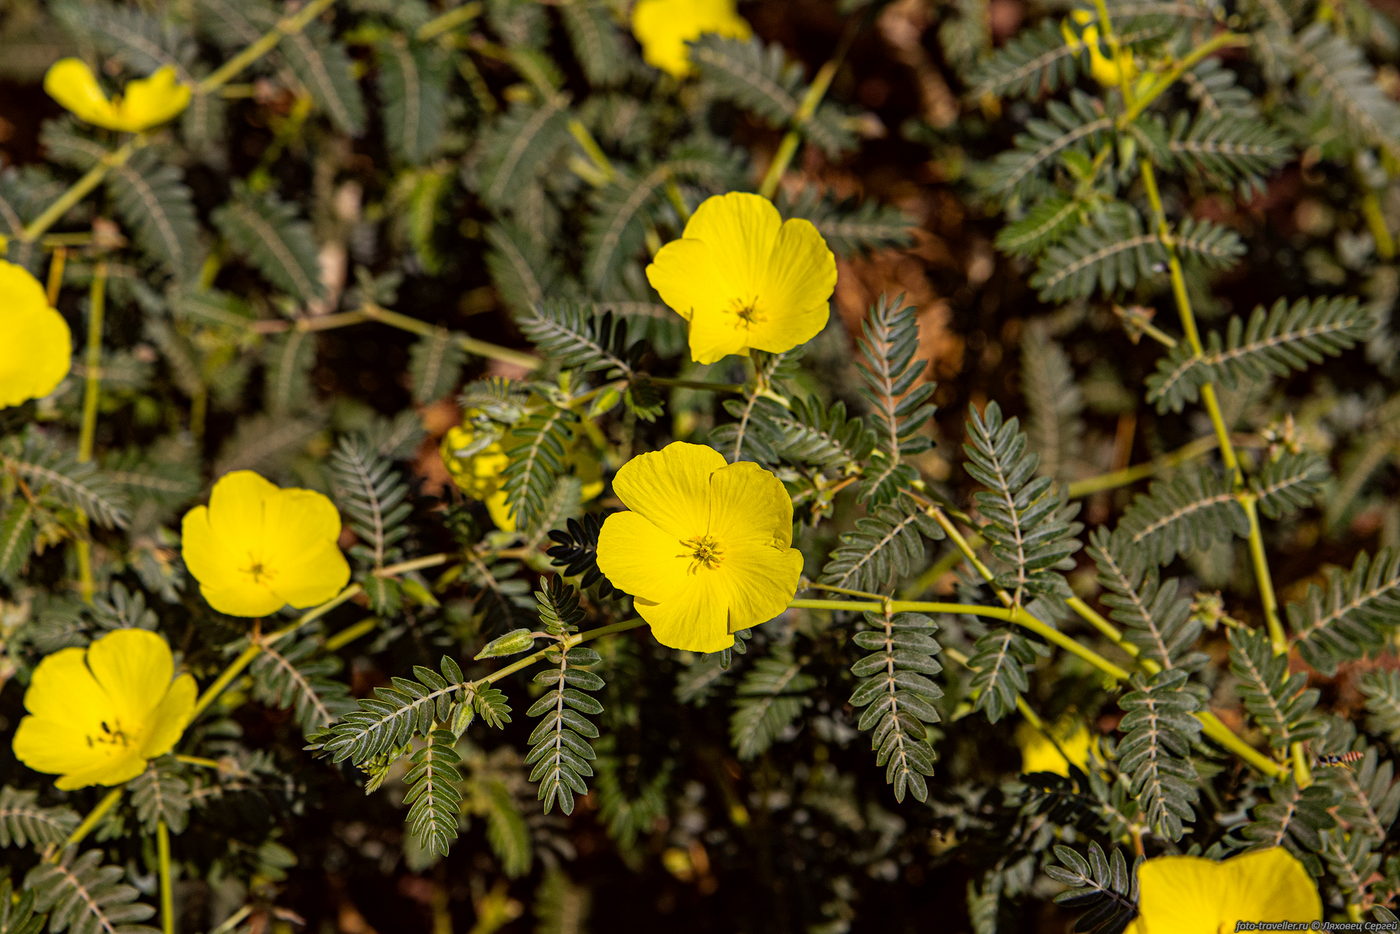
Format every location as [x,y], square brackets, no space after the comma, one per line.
[702,552]
[746,312]
[256,569]
[111,735]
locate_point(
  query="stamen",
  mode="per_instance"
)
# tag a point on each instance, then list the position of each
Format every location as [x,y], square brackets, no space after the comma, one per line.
[702,552]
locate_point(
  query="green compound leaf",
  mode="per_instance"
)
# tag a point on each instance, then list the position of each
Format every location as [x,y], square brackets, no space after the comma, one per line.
[300,676]
[899,399]
[396,713]
[1354,613]
[1155,753]
[884,547]
[1190,512]
[1291,483]
[24,823]
[269,233]
[537,448]
[1108,253]
[1106,888]
[516,147]
[434,799]
[561,750]
[999,661]
[83,896]
[323,67]
[151,197]
[772,694]
[1026,519]
[1077,126]
[413,81]
[1273,342]
[1155,616]
[894,684]
[1276,700]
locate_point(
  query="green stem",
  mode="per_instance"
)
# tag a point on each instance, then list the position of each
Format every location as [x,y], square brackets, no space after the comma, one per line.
[167,894]
[415,564]
[788,147]
[1211,724]
[1187,314]
[317,323]
[446,22]
[1129,475]
[469,344]
[199,761]
[956,537]
[79,190]
[590,148]
[94,817]
[1212,45]
[1277,641]
[92,363]
[700,384]
[1015,615]
[259,47]
[1111,632]
[245,658]
[576,639]
[87,431]
[864,594]
[349,634]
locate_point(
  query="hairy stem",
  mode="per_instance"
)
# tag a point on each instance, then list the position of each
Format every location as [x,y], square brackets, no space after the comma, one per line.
[265,43]
[167,894]
[94,817]
[87,431]
[79,190]
[245,658]
[787,148]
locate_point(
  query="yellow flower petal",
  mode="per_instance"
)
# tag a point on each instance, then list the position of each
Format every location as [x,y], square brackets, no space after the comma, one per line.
[147,102]
[671,487]
[96,715]
[744,278]
[125,664]
[740,230]
[749,505]
[696,620]
[62,683]
[71,82]
[1038,753]
[801,278]
[758,581]
[170,716]
[705,548]
[257,548]
[664,26]
[1191,895]
[242,599]
[154,100]
[638,557]
[38,348]
[682,272]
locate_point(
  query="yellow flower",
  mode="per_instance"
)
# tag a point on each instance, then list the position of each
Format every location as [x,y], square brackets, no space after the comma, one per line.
[476,461]
[705,549]
[37,348]
[1038,753]
[663,27]
[1190,895]
[256,548]
[146,102]
[1106,71]
[744,278]
[96,715]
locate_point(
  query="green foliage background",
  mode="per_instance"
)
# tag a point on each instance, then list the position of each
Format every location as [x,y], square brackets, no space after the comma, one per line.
[1154,485]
